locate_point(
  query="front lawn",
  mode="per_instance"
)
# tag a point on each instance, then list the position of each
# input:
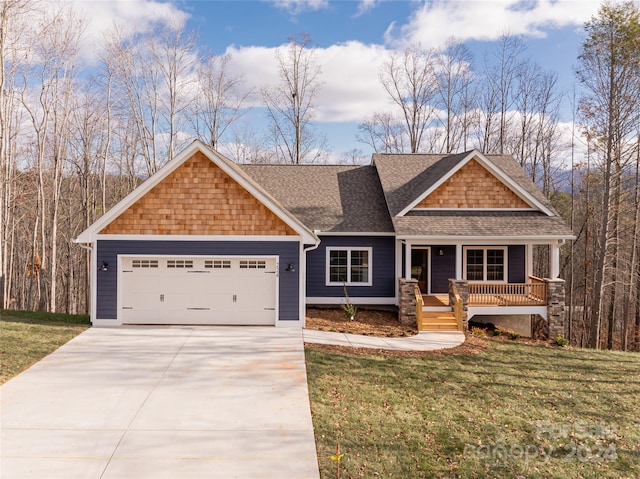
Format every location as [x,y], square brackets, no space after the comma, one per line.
[26,337]
[513,410]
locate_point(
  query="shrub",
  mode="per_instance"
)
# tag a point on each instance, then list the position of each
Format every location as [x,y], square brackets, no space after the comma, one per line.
[478,332]
[497,332]
[513,335]
[561,341]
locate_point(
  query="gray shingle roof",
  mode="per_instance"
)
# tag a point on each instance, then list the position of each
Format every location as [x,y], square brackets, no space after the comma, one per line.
[366,199]
[481,223]
[328,198]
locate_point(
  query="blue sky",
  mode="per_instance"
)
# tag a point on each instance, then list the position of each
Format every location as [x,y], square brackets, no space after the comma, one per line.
[352,38]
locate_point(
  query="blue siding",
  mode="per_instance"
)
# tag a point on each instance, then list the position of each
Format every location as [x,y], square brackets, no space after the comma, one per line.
[383,260]
[288,252]
[442,268]
[517,264]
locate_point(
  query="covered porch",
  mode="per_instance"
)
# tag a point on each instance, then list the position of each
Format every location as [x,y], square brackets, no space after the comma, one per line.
[452,283]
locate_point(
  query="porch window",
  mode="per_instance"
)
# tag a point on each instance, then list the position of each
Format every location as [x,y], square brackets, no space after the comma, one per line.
[349,265]
[485,264]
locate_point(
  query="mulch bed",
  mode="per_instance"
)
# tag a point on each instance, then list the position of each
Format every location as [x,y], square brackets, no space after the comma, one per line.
[378,323]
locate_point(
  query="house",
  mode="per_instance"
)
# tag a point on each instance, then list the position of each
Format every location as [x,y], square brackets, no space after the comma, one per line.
[207,241]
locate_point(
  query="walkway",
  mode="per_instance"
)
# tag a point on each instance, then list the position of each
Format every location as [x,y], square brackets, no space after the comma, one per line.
[423,341]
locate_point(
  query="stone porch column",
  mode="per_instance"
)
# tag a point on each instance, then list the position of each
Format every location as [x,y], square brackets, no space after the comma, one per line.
[407,301]
[463,290]
[555,306]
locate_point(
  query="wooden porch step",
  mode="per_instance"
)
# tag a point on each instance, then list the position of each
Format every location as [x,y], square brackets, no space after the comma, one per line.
[438,321]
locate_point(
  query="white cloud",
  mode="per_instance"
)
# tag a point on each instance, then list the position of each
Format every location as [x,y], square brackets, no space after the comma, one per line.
[365,6]
[438,20]
[350,91]
[131,16]
[295,7]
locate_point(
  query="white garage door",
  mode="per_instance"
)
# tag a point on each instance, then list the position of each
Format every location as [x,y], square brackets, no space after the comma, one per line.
[198,290]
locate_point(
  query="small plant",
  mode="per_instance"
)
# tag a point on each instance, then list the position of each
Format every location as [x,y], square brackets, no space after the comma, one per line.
[513,335]
[478,332]
[561,341]
[349,309]
[497,332]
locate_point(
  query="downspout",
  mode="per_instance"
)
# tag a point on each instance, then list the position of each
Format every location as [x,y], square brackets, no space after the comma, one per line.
[303,274]
[92,284]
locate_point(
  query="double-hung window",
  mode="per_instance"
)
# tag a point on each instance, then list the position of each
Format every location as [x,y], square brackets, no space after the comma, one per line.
[351,266]
[485,263]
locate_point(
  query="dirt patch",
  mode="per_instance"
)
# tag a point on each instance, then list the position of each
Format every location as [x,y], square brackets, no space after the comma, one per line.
[367,322]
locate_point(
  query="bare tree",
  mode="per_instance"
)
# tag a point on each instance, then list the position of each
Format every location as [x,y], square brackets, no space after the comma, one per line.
[290,105]
[382,132]
[219,99]
[453,83]
[409,79]
[610,72]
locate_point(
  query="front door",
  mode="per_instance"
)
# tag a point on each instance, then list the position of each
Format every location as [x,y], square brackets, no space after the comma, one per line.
[420,268]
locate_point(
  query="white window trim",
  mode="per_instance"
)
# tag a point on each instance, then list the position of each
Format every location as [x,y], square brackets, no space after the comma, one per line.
[348,249]
[484,262]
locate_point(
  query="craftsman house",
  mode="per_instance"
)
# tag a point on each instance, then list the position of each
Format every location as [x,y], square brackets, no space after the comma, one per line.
[443,237]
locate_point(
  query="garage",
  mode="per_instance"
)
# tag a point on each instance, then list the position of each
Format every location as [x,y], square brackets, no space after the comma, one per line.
[217,290]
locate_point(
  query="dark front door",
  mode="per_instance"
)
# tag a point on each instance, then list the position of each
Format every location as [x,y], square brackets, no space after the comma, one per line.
[420,268]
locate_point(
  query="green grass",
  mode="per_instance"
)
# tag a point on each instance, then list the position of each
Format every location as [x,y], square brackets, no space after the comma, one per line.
[512,410]
[26,337]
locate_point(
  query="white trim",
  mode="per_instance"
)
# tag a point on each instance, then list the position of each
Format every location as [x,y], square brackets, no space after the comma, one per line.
[494,170]
[348,249]
[387,301]
[529,256]
[505,266]
[398,251]
[94,283]
[554,260]
[88,235]
[459,261]
[506,310]
[488,240]
[429,250]
[508,210]
[351,233]
[196,238]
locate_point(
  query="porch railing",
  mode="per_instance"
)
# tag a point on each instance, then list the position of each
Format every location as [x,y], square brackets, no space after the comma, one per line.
[419,306]
[458,305]
[508,294]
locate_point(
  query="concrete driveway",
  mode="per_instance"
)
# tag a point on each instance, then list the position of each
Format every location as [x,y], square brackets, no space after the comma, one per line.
[162,402]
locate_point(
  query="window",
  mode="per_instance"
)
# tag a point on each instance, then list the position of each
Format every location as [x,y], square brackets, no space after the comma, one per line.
[144,263]
[485,264]
[349,265]
[253,264]
[217,264]
[179,263]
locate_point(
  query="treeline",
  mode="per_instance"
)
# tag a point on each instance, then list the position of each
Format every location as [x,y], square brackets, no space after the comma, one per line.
[74,140]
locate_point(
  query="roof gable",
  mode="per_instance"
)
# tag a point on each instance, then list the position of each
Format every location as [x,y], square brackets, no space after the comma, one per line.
[472,187]
[198,193]
[470,181]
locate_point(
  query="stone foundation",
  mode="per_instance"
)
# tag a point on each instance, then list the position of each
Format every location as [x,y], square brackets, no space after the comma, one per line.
[555,307]
[463,290]
[407,302]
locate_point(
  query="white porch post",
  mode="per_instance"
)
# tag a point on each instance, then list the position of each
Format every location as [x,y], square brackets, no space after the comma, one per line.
[554,260]
[529,254]
[407,260]
[458,261]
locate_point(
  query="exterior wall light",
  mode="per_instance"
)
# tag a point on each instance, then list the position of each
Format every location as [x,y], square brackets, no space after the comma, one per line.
[290,268]
[104,266]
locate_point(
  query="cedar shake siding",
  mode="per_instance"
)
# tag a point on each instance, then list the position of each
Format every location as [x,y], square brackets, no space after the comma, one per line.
[287,251]
[382,259]
[198,198]
[473,186]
